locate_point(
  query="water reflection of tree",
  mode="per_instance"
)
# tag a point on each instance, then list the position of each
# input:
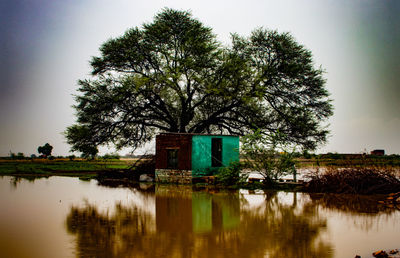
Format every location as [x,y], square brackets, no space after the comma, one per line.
[273,230]
[15,180]
[103,235]
[284,230]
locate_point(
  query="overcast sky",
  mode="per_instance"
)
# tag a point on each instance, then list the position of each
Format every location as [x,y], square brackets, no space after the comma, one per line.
[46,45]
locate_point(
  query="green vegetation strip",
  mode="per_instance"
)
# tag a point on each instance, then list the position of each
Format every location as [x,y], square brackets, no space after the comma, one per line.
[58,167]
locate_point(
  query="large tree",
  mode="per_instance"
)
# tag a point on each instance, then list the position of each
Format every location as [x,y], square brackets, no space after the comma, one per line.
[173,75]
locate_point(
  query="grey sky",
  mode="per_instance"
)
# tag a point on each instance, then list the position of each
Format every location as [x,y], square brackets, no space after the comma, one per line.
[45,47]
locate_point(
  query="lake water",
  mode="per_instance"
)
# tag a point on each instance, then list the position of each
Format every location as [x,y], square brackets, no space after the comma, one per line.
[67,217]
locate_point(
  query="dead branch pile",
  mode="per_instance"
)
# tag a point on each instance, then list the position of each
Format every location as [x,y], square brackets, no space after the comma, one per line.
[356,180]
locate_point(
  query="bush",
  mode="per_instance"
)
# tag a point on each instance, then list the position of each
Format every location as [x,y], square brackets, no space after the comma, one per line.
[230,175]
[71,157]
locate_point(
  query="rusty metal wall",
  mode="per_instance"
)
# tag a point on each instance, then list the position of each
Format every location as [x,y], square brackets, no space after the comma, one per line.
[182,142]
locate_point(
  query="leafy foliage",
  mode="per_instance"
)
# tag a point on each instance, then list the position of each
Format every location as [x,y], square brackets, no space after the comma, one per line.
[79,136]
[261,154]
[230,175]
[172,75]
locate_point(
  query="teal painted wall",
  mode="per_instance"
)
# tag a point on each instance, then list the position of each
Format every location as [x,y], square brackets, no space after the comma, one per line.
[215,211]
[201,212]
[201,153]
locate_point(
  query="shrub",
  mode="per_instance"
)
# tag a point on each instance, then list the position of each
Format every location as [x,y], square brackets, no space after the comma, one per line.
[230,175]
[71,157]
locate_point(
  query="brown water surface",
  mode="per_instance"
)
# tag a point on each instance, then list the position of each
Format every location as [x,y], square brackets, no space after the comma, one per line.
[66,217]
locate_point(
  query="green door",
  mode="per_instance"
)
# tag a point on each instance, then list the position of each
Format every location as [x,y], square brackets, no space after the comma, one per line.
[216,152]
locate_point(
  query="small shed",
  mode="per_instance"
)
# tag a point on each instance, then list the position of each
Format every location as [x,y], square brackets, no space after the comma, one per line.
[182,156]
[378,152]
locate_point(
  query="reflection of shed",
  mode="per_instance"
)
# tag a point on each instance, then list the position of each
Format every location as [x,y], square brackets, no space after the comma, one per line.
[181,156]
[184,210]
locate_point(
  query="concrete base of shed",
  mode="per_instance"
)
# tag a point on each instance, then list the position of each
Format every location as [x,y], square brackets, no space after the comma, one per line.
[173,176]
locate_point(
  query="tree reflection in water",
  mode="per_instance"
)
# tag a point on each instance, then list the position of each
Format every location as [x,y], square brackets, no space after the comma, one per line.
[15,180]
[200,224]
[285,230]
[101,235]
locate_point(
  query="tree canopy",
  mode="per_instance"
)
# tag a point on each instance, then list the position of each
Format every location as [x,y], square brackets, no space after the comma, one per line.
[45,149]
[173,75]
[81,139]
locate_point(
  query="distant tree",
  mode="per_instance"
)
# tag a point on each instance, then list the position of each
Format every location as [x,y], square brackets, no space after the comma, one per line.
[45,149]
[20,155]
[173,75]
[89,152]
[111,156]
[12,155]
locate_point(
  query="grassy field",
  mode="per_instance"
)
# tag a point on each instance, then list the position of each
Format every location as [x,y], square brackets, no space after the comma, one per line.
[66,167]
[349,161]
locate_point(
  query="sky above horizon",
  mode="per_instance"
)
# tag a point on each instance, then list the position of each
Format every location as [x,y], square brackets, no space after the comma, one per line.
[45,47]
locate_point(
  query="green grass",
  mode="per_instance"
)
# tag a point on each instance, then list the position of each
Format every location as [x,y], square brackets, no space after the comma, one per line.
[59,167]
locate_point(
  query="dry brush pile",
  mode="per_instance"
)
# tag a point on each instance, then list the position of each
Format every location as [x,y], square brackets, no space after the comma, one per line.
[355,180]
